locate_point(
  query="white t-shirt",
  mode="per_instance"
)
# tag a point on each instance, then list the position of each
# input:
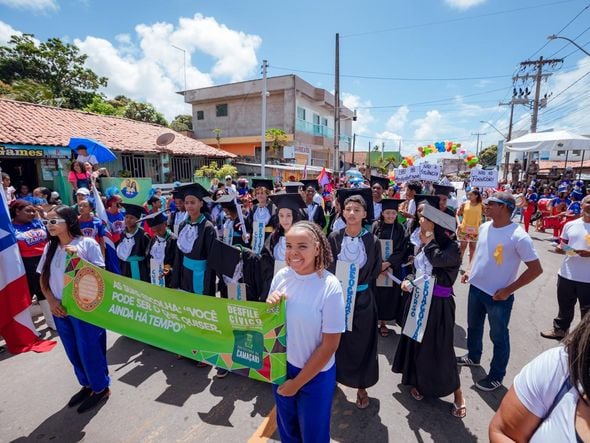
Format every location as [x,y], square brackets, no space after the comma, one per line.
[537,386]
[577,234]
[498,254]
[315,306]
[87,158]
[88,250]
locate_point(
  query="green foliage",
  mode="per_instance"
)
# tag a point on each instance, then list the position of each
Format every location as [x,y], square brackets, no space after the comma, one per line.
[182,122]
[99,105]
[488,156]
[144,112]
[30,91]
[213,171]
[278,137]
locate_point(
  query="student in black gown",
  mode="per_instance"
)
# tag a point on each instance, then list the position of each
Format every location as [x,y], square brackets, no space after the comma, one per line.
[314,211]
[232,226]
[390,305]
[378,186]
[178,215]
[263,213]
[161,250]
[430,367]
[195,240]
[336,221]
[289,211]
[132,246]
[443,192]
[356,358]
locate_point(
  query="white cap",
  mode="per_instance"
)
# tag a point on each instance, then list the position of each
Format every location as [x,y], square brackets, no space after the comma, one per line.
[83,191]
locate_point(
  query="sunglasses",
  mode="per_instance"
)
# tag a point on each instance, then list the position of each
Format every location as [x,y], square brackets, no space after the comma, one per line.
[53,221]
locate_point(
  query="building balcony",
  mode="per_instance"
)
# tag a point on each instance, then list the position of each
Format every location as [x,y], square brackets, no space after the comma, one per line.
[321,131]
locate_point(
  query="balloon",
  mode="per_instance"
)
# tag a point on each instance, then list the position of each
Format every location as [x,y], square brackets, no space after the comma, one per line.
[462,151]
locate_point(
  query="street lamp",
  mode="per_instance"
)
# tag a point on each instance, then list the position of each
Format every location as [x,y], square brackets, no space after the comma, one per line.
[553,37]
[497,130]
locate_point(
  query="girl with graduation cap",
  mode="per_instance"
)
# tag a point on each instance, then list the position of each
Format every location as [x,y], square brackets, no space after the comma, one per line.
[133,244]
[195,240]
[356,358]
[161,250]
[430,367]
[289,207]
[232,233]
[261,216]
[394,244]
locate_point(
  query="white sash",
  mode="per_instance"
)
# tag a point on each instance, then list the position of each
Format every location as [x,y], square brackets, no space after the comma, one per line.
[187,237]
[258,236]
[157,272]
[311,211]
[383,281]
[179,217]
[228,232]
[262,214]
[348,275]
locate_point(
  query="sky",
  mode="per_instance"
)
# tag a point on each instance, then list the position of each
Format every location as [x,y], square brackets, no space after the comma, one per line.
[418,71]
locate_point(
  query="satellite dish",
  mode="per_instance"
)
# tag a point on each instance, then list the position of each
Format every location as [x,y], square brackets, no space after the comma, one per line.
[165,139]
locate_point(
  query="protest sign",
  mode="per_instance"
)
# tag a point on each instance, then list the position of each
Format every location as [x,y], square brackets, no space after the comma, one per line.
[131,190]
[484,178]
[248,338]
[429,172]
[403,175]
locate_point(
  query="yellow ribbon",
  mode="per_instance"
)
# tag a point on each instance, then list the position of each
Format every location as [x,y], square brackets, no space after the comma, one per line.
[499,254]
[587,239]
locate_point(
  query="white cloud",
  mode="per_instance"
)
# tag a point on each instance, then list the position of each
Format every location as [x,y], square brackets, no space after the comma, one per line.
[6,31]
[35,5]
[464,4]
[398,120]
[428,127]
[364,116]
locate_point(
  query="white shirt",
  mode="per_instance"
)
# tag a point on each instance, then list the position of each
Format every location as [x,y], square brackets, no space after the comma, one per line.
[315,306]
[537,386]
[377,208]
[87,158]
[88,250]
[498,254]
[574,267]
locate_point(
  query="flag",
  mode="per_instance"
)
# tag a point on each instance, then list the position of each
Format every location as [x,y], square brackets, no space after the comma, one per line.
[111,259]
[323,178]
[16,324]
[305,172]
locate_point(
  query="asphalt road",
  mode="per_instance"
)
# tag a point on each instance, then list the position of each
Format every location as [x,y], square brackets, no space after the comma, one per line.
[157,397]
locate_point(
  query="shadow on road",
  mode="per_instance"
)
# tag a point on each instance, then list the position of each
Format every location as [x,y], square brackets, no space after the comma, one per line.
[492,399]
[386,346]
[460,337]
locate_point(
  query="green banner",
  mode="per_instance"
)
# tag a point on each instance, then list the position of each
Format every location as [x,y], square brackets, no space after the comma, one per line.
[132,190]
[248,338]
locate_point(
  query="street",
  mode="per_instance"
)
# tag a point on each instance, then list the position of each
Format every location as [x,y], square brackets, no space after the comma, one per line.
[157,397]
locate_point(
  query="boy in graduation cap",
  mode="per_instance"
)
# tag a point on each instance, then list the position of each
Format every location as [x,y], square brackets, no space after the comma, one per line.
[179,214]
[378,186]
[133,244]
[261,216]
[443,192]
[314,211]
[232,226]
[195,240]
[161,249]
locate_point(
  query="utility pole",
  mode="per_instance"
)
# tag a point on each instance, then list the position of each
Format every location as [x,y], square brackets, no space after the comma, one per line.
[353,146]
[477,143]
[369,160]
[263,132]
[382,150]
[337,106]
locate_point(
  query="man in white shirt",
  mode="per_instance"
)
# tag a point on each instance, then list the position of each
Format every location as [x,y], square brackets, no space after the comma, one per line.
[573,279]
[230,187]
[501,247]
[84,157]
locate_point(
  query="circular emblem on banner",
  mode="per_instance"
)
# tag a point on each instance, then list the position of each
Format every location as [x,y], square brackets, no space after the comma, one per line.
[88,289]
[130,188]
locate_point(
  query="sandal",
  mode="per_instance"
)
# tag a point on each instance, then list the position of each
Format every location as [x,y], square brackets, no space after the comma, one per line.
[459,411]
[383,331]
[362,401]
[416,394]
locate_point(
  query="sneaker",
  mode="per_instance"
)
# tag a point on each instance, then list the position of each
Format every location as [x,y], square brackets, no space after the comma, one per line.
[488,385]
[79,397]
[94,400]
[221,373]
[466,361]
[554,334]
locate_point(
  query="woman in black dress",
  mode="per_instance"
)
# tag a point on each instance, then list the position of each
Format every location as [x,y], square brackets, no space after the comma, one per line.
[356,358]
[261,217]
[430,367]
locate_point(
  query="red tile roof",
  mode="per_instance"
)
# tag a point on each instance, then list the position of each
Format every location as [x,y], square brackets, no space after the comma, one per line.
[31,124]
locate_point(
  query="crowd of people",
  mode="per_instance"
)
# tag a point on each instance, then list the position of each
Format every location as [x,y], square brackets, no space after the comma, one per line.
[292,238]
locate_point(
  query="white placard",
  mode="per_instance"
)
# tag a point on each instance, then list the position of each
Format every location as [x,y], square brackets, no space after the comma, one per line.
[403,175]
[383,281]
[236,291]
[484,178]
[348,275]
[157,273]
[429,172]
[417,318]
[258,237]
[279,264]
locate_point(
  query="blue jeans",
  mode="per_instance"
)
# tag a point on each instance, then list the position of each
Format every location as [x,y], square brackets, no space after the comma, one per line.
[478,305]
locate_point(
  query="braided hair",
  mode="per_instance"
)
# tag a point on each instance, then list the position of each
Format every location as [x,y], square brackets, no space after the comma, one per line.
[324,258]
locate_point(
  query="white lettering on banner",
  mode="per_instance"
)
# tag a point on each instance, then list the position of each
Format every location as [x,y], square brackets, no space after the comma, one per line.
[383,281]
[258,237]
[348,274]
[417,319]
[484,178]
[429,172]
[157,273]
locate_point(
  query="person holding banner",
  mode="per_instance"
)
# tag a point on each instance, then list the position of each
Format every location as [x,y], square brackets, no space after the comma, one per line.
[358,263]
[426,359]
[115,217]
[133,245]
[195,240]
[289,212]
[394,247]
[315,321]
[84,343]
[260,217]
[161,249]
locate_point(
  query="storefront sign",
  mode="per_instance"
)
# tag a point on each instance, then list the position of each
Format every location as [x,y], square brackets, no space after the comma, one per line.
[26,151]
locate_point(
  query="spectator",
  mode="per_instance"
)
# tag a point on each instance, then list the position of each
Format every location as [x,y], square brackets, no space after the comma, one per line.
[78,177]
[83,156]
[229,185]
[23,192]
[90,225]
[8,189]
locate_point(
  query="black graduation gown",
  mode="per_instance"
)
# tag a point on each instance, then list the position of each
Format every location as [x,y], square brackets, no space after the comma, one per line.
[182,277]
[431,366]
[169,254]
[390,301]
[267,264]
[272,209]
[319,217]
[140,248]
[356,357]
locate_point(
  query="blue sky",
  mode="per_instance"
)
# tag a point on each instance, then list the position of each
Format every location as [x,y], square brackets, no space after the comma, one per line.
[471,47]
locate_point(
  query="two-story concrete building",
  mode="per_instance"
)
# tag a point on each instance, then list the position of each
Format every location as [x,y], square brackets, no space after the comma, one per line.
[230,116]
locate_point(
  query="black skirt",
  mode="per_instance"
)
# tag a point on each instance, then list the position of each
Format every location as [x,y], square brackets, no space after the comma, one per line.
[390,303]
[356,357]
[430,366]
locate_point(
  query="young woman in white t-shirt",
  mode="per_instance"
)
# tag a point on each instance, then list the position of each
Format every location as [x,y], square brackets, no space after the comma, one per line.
[85,344]
[315,321]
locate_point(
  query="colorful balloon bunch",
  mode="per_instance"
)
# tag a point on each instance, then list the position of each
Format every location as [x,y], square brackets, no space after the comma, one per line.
[471,160]
[439,147]
[407,161]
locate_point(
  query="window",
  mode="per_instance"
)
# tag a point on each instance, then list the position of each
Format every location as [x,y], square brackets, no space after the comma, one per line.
[201,115]
[300,113]
[576,152]
[221,110]
[560,153]
[324,121]
[317,129]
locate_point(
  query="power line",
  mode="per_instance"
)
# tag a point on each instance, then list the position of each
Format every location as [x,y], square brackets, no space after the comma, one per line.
[568,44]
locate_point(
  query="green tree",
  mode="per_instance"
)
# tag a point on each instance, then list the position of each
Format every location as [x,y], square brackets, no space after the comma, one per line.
[182,122]
[99,105]
[488,156]
[32,92]
[144,112]
[213,171]
[278,138]
[54,64]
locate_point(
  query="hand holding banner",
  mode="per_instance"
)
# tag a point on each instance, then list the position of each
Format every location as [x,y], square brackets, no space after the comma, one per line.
[417,318]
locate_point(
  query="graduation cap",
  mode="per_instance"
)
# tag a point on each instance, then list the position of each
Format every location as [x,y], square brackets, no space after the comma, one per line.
[382,181]
[263,182]
[223,258]
[292,187]
[194,189]
[366,193]
[152,199]
[154,219]
[312,182]
[443,189]
[288,200]
[432,200]
[134,210]
[390,203]
[176,193]
[226,201]
[439,218]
